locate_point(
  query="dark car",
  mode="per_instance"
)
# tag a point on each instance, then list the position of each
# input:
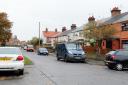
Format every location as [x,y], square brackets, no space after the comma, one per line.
[70,52]
[117,59]
[42,51]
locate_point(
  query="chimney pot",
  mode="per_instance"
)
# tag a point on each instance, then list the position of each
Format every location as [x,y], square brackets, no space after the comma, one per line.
[46,30]
[73,26]
[115,11]
[56,30]
[91,18]
[64,29]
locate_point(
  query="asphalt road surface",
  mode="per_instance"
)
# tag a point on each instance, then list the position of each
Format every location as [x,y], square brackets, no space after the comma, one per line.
[48,71]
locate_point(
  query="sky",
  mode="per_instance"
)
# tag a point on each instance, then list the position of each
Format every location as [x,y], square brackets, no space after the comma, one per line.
[26,14]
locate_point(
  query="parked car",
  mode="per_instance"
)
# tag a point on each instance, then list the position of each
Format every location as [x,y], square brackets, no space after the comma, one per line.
[117,59]
[70,52]
[11,59]
[25,47]
[30,48]
[43,51]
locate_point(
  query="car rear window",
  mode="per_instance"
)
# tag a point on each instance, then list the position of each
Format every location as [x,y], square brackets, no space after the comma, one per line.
[43,49]
[125,53]
[10,51]
[30,46]
[111,52]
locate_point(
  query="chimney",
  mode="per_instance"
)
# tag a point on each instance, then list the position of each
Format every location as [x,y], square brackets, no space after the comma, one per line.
[56,30]
[64,29]
[90,19]
[115,11]
[73,26]
[46,30]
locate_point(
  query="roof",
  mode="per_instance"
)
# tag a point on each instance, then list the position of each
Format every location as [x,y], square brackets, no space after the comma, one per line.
[78,29]
[65,33]
[56,34]
[50,33]
[115,19]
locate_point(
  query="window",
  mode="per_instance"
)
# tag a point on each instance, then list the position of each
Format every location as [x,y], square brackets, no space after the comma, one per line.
[73,46]
[125,53]
[10,51]
[124,26]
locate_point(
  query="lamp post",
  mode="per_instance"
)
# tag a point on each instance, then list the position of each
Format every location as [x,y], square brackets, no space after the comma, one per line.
[39,34]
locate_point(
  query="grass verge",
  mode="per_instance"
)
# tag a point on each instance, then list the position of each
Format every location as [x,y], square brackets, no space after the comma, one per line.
[94,56]
[27,61]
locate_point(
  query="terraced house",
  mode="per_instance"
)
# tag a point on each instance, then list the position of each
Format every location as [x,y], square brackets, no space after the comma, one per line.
[119,21]
[65,35]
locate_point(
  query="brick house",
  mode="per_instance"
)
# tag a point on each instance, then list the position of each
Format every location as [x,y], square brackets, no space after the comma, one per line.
[118,21]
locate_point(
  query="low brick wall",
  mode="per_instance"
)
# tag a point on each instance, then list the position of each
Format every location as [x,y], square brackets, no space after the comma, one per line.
[89,49]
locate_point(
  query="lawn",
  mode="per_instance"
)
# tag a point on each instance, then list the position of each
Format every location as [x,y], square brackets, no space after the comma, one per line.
[27,61]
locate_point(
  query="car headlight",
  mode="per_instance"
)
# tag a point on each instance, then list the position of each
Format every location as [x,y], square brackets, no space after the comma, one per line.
[83,53]
[69,52]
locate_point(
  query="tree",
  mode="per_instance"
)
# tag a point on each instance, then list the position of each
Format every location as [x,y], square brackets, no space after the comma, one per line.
[5,31]
[35,41]
[98,33]
[88,31]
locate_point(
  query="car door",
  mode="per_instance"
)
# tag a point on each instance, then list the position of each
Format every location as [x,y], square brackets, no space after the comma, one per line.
[58,50]
[123,57]
[63,50]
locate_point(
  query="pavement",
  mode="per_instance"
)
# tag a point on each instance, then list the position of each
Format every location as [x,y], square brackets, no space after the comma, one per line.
[89,61]
[95,62]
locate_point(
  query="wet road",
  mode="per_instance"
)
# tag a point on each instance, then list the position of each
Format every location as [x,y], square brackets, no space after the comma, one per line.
[48,71]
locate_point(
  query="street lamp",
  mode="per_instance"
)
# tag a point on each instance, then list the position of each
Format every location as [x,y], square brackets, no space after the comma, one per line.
[39,34]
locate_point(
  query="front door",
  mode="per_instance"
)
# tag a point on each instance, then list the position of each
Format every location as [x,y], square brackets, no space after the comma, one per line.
[115,44]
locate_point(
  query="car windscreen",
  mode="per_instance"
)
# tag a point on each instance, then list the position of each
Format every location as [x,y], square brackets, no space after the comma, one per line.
[73,46]
[10,51]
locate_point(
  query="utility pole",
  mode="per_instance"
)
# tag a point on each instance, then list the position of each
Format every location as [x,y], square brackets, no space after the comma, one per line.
[39,34]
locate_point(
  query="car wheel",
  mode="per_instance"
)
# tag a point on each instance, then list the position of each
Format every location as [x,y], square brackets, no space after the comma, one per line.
[110,67]
[65,59]
[119,67]
[58,58]
[19,72]
[83,61]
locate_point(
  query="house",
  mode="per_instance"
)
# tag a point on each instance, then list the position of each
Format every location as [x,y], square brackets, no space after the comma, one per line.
[119,21]
[13,41]
[65,35]
[49,36]
[77,34]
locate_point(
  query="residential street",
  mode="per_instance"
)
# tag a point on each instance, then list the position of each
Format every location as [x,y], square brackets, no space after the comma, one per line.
[48,71]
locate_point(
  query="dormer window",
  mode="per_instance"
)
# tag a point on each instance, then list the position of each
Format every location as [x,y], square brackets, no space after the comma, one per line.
[124,26]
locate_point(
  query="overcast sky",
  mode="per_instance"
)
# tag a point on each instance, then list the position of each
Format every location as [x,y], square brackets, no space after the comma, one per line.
[25,14]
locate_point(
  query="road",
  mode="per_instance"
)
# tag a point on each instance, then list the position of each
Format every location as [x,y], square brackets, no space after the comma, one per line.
[48,71]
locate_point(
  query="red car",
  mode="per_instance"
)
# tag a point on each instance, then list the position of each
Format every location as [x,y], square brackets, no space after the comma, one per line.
[30,48]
